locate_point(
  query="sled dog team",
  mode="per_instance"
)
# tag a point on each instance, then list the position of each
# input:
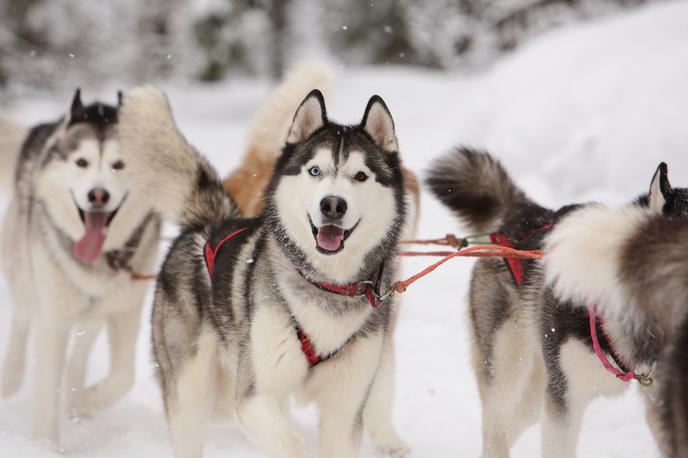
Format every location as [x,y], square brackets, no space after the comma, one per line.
[273,287]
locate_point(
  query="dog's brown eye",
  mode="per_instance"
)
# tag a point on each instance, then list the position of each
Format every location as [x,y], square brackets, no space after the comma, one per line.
[361,176]
[81,162]
[119,165]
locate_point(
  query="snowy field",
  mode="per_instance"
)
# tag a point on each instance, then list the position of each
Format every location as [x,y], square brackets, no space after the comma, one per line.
[583,113]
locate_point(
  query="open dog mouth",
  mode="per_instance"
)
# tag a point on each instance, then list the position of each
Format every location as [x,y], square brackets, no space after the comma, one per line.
[330,238]
[96,222]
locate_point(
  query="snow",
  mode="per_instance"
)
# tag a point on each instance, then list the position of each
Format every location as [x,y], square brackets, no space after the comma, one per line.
[581,113]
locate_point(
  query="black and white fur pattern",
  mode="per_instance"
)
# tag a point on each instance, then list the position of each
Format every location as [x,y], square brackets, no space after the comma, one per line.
[633,263]
[58,296]
[226,345]
[532,351]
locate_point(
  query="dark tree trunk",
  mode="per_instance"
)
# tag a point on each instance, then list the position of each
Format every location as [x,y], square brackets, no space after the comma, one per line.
[278,20]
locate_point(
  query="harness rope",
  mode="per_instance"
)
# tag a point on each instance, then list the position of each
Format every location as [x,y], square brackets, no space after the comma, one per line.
[501,247]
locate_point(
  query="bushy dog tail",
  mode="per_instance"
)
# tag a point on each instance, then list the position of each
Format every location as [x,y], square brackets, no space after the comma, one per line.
[11,138]
[629,261]
[167,171]
[271,122]
[475,186]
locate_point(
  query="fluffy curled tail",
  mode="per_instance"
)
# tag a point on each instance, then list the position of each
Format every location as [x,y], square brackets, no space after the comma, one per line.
[476,187]
[170,173]
[629,261]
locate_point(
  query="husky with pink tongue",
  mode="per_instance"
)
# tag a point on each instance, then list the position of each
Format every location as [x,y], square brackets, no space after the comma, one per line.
[250,312]
[72,238]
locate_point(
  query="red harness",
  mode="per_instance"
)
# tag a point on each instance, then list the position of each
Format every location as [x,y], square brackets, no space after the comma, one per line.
[211,253]
[514,264]
[517,271]
[365,288]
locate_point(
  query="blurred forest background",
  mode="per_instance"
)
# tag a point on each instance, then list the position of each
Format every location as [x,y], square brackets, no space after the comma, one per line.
[48,44]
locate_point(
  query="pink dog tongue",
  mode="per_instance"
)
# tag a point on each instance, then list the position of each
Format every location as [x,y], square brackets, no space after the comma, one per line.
[330,237]
[91,244]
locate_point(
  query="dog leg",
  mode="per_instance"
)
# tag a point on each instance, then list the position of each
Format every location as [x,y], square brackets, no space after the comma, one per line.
[188,401]
[495,443]
[378,412]
[528,406]
[123,330]
[342,391]
[510,381]
[15,358]
[653,416]
[85,336]
[263,420]
[51,339]
[561,426]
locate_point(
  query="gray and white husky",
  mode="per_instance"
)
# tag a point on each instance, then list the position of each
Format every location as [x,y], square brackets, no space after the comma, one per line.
[73,234]
[633,263]
[532,351]
[250,311]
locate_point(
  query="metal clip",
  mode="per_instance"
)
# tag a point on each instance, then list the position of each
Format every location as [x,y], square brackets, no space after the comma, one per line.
[644,379]
[389,293]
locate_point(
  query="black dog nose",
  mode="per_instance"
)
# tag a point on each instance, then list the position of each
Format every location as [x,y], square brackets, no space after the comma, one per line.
[98,196]
[333,207]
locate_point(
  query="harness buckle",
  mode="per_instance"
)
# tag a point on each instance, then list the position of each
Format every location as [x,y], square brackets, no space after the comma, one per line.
[389,293]
[644,379]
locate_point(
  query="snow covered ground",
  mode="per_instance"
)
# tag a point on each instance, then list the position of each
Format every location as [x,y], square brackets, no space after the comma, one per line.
[585,112]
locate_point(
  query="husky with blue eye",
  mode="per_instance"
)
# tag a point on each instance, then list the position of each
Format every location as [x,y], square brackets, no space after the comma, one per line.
[73,235]
[249,312]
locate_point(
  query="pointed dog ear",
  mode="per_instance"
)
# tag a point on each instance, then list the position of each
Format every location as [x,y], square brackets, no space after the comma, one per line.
[378,123]
[660,189]
[309,117]
[120,99]
[77,108]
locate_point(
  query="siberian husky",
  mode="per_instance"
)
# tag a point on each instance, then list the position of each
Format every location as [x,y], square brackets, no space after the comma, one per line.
[532,352]
[633,264]
[73,235]
[247,184]
[250,311]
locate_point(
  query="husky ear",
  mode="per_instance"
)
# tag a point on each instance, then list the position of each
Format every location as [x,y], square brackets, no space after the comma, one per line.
[120,98]
[660,189]
[77,108]
[378,123]
[309,117]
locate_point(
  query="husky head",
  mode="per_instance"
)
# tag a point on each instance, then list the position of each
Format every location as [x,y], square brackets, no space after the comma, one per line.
[81,179]
[662,198]
[336,200]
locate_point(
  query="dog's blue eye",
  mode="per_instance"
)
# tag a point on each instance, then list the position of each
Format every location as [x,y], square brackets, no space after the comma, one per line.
[314,171]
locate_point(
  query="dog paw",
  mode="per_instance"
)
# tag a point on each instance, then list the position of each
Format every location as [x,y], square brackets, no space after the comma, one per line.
[77,412]
[79,408]
[390,445]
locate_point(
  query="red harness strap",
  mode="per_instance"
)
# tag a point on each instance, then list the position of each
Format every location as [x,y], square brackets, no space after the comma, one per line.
[308,349]
[350,290]
[514,264]
[623,374]
[211,253]
[307,346]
